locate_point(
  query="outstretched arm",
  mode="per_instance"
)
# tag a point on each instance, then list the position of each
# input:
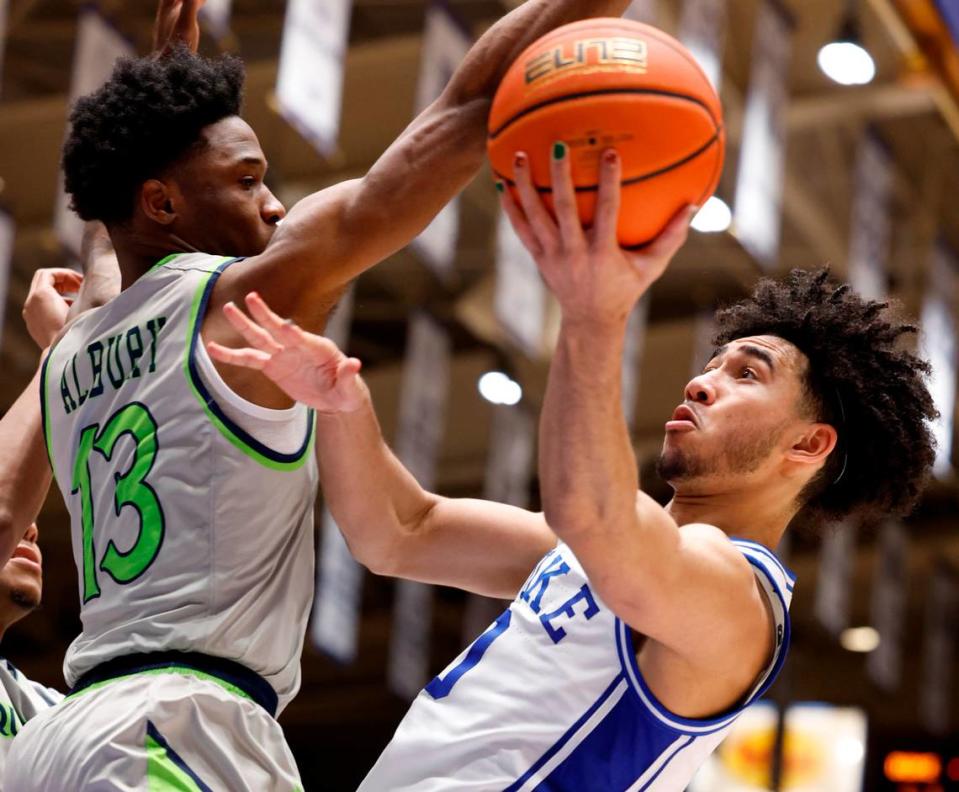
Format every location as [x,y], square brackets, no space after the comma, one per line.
[330,237]
[24,470]
[659,578]
[391,524]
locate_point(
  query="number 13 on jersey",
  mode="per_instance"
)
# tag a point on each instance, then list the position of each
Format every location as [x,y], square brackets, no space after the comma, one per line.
[130,489]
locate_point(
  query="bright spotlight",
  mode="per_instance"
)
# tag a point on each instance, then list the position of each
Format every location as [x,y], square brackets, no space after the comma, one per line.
[847,63]
[496,387]
[859,639]
[713,217]
[850,750]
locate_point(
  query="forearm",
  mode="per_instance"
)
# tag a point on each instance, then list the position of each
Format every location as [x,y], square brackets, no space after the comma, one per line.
[481,71]
[24,470]
[375,501]
[586,462]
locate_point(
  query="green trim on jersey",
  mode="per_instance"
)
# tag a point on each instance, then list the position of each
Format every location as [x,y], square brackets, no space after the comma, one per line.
[163,775]
[164,260]
[172,669]
[193,332]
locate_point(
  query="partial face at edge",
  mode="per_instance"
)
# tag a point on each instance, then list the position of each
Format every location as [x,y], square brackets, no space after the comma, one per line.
[223,206]
[21,580]
[745,408]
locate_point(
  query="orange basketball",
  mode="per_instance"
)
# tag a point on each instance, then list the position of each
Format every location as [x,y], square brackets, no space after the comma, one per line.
[613,83]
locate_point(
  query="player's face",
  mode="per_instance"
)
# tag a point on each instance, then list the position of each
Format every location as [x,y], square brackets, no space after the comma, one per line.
[21,580]
[738,417]
[225,208]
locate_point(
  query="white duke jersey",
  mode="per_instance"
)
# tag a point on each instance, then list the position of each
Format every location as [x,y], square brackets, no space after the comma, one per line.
[191,509]
[20,700]
[551,697]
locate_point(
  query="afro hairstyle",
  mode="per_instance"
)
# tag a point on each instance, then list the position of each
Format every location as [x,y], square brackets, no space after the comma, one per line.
[147,116]
[860,380]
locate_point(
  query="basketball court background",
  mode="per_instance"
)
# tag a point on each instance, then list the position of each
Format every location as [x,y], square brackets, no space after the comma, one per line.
[864,178]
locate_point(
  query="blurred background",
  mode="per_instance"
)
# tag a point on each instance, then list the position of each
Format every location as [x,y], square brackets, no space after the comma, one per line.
[843,129]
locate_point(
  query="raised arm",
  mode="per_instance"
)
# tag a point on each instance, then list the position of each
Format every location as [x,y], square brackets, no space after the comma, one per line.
[661,579]
[391,524]
[330,237]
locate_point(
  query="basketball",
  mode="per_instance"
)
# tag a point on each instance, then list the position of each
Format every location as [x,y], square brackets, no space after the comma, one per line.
[613,83]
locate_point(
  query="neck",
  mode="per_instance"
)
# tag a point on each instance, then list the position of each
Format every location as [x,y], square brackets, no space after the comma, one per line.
[749,512]
[137,253]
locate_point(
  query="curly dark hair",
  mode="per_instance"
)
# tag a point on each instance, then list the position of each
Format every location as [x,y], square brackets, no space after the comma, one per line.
[144,118]
[858,380]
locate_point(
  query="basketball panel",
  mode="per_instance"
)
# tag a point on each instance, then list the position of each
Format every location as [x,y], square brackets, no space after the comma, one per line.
[650,132]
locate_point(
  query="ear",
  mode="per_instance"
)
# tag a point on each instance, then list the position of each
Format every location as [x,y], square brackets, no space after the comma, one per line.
[814,445]
[158,201]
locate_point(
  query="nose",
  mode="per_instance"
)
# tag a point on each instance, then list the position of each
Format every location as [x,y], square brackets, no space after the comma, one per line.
[272,210]
[32,534]
[701,390]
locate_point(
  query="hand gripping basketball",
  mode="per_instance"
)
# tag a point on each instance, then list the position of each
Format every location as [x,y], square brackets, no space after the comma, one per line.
[595,280]
[612,83]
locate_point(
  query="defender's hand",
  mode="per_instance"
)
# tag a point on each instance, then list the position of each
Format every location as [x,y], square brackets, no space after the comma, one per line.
[594,279]
[308,368]
[46,307]
[177,22]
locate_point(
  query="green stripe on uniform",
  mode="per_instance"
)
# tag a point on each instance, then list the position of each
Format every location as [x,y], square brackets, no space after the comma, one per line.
[172,669]
[163,775]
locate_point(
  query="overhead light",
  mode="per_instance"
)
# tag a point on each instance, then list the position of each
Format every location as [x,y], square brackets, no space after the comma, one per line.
[713,217]
[845,60]
[859,639]
[498,388]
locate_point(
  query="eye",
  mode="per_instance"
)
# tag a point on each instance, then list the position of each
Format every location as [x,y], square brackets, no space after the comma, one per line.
[248,182]
[748,373]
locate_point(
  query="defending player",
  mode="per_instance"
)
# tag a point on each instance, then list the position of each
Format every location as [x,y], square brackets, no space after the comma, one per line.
[637,637]
[24,481]
[191,487]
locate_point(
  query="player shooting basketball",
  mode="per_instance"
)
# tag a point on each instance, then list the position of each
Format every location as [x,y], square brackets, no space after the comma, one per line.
[191,485]
[637,633]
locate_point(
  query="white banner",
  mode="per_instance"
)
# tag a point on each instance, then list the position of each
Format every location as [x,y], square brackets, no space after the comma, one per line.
[871,220]
[939,651]
[520,298]
[644,11]
[758,204]
[3,36]
[704,330]
[98,46]
[216,16]
[888,605]
[509,464]
[309,82]
[445,44]
[835,577]
[7,233]
[633,358]
[702,28]
[938,341]
[422,420]
[336,608]
[336,605]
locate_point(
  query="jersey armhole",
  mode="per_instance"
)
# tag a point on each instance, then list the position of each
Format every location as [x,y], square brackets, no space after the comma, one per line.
[234,433]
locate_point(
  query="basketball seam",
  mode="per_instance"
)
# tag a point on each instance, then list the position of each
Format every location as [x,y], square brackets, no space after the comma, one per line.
[627,182]
[600,92]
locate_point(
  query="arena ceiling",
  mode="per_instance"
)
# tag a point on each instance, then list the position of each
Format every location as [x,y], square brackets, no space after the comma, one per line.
[913,103]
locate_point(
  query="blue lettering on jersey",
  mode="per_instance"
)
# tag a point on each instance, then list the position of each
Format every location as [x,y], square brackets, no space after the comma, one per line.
[540,583]
[557,634]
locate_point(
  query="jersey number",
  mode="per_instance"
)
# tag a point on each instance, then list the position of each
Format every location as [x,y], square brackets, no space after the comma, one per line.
[130,489]
[441,687]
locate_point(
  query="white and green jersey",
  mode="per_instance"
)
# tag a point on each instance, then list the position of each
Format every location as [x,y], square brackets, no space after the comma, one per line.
[20,700]
[191,509]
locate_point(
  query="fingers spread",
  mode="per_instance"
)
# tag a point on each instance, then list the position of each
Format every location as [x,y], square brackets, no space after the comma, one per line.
[564,195]
[248,358]
[608,199]
[251,332]
[541,224]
